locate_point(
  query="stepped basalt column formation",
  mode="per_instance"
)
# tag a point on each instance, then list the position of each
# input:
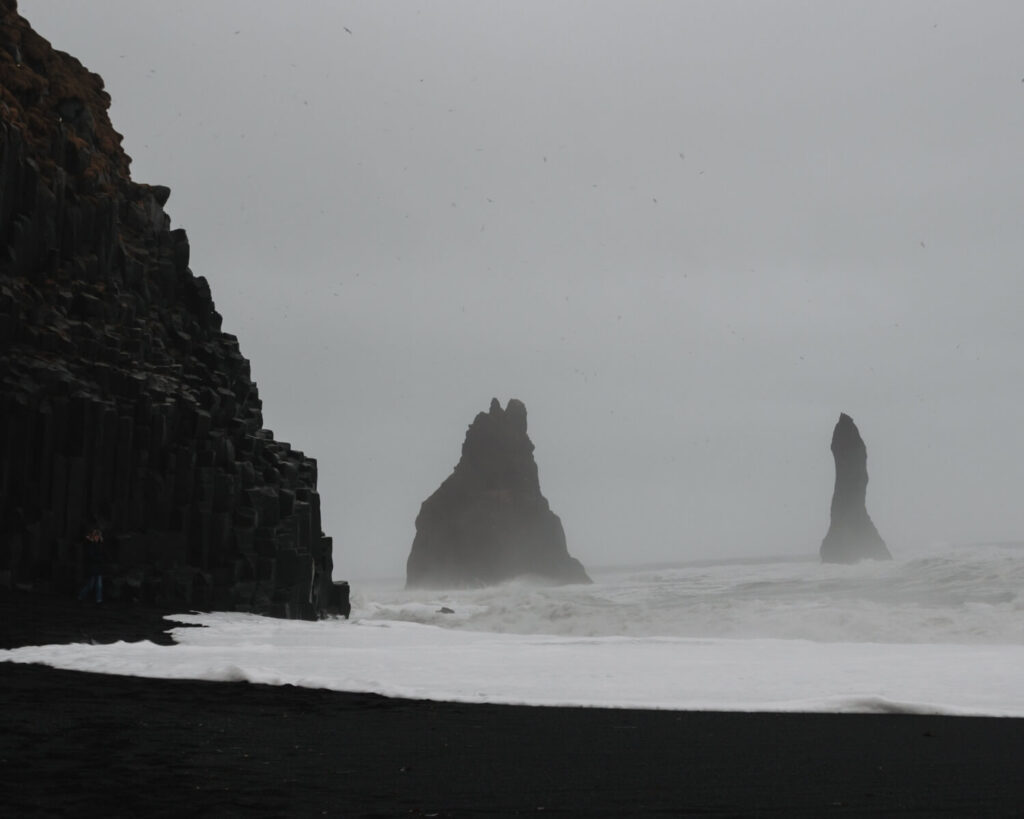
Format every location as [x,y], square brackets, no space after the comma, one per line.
[488,522]
[851,536]
[123,403]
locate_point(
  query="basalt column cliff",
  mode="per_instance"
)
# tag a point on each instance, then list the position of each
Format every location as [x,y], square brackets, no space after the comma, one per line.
[851,536]
[122,401]
[488,521]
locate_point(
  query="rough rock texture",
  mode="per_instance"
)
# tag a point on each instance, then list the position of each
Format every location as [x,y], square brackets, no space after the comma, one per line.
[488,522]
[122,400]
[851,536]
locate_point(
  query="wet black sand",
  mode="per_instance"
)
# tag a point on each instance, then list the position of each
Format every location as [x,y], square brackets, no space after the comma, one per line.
[78,744]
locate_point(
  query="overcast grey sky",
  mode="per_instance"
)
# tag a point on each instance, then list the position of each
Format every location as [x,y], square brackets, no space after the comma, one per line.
[686,234]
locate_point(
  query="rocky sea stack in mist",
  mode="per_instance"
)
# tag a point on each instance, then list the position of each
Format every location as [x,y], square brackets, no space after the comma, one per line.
[851,536]
[123,403]
[488,522]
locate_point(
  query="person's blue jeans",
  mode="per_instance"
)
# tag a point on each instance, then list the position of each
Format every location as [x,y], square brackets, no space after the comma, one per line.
[96,581]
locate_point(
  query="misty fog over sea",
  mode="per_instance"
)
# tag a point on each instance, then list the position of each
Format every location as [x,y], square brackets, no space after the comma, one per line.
[686,235]
[941,631]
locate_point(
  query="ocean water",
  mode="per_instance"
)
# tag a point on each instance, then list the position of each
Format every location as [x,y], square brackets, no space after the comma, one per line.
[939,632]
[955,595]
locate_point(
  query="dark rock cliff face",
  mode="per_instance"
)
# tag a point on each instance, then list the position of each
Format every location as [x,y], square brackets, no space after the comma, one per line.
[851,536]
[121,399]
[488,522]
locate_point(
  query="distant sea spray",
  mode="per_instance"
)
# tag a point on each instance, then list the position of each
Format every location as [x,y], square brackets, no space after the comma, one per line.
[958,595]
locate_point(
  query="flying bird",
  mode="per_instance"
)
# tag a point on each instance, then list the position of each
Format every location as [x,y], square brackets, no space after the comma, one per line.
[347,29]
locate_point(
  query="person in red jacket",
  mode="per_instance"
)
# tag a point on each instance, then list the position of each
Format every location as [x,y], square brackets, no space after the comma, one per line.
[93,549]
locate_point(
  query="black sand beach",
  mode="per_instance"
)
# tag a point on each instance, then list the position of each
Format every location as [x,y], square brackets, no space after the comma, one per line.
[76,744]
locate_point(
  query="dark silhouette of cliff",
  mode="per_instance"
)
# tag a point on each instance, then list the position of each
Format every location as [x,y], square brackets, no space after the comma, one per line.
[123,402]
[851,536]
[488,522]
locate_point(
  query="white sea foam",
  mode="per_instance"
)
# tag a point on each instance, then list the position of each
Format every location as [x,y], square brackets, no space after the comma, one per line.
[967,595]
[941,633]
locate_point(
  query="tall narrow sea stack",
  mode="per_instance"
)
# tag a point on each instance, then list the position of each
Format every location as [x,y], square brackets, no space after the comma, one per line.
[123,404]
[488,522]
[851,536]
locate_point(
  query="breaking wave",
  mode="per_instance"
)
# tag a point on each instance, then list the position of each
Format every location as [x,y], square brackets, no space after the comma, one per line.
[963,595]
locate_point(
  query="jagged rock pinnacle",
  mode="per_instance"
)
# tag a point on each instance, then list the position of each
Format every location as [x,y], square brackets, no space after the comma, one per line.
[488,522]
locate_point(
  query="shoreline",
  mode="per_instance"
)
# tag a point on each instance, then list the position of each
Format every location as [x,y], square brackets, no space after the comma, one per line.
[70,741]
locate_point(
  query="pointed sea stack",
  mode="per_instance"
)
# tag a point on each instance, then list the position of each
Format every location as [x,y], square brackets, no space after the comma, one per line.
[488,522]
[851,536]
